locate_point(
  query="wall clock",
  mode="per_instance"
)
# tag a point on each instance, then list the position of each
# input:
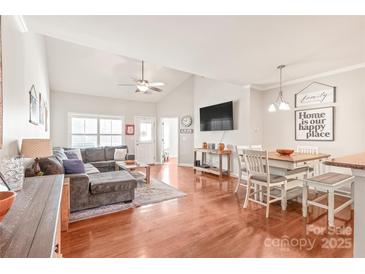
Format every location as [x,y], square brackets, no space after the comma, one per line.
[186,121]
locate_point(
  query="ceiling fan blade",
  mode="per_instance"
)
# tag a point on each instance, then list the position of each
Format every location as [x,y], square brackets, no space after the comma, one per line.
[156,89]
[156,84]
[126,85]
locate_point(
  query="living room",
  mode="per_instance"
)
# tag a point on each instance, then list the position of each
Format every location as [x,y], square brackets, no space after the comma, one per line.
[135,136]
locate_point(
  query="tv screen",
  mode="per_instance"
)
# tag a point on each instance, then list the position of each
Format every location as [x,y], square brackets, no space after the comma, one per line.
[217,117]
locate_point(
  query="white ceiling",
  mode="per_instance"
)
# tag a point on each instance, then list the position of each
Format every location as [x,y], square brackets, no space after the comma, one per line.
[237,49]
[84,70]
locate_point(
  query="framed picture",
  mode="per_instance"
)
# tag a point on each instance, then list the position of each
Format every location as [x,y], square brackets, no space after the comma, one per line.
[129,129]
[33,106]
[46,118]
[315,94]
[41,109]
[316,124]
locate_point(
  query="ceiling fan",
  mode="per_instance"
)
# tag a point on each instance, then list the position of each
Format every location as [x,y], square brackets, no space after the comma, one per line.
[143,85]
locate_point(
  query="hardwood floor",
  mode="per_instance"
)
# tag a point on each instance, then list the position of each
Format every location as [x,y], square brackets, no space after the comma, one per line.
[208,222]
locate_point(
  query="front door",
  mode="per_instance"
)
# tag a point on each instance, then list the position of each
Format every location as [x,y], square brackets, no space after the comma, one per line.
[145,139]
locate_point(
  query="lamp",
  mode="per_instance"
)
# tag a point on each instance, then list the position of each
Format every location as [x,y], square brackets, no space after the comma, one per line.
[36,148]
[279,103]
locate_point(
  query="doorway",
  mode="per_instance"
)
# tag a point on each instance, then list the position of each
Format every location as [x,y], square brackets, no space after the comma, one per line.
[145,142]
[169,140]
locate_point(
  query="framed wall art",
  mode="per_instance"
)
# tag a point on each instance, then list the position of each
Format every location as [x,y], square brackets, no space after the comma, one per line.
[315,93]
[33,106]
[316,124]
[129,129]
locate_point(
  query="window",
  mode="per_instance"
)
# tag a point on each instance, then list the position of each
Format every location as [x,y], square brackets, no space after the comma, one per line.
[145,132]
[94,131]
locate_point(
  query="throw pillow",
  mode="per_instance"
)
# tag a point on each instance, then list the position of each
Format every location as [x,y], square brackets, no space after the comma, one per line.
[120,154]
[60,154]
[50,166]
[75,151]
[73,166]
[71,155]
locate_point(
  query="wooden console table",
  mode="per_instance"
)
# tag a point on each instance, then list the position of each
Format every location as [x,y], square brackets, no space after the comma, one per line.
[32,227]
[214,170]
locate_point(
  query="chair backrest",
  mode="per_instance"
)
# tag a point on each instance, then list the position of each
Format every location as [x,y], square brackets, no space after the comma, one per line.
[239,151]
[307,149]
[257,163]
[256,147]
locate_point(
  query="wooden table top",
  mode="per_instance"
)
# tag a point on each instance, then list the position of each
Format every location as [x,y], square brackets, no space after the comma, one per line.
[297,157]
[214,151]
[355,161]
[29,228]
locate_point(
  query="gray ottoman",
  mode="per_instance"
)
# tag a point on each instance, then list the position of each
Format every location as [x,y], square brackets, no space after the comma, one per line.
[114,181]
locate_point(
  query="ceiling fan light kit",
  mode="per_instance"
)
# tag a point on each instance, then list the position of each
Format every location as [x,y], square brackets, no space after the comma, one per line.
[143,85]
[280,103]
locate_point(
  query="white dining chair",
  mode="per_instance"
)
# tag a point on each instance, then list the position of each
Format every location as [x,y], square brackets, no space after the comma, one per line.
[242,170]
[315,167]
[257,164]
[256,147]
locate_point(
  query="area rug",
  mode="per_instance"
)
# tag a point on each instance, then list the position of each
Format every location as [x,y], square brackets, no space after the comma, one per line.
[155,192]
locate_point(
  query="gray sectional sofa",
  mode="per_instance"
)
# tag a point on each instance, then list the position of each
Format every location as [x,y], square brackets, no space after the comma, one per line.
[100,184]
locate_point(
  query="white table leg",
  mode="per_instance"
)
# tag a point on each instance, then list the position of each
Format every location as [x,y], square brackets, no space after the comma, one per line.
[305,200]
[331,208]
[359,214]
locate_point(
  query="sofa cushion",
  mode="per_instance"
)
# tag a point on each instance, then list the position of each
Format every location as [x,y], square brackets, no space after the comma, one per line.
[96,154]
[73,166]
[50,166]
[60,155]
[103,164]
[111,182]
[109,151]
[73,154]
[90,169]
[120,154]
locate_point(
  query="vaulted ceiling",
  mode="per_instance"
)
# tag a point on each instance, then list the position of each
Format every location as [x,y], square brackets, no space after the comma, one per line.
[238,49]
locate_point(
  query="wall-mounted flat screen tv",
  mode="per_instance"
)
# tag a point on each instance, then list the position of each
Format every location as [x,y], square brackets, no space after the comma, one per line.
[217,117]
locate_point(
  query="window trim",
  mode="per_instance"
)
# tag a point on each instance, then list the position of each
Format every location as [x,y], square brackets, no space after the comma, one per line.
[98,134]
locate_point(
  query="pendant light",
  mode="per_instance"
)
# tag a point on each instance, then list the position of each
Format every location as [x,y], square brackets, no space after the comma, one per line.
[279,103]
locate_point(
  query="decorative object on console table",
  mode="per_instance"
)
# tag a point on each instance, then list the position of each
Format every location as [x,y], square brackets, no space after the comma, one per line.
[6,198]
[36,148]
[221,146]
[33,106]
[13,172]
[129,129]
[205,145]
[315,124]
[312,95]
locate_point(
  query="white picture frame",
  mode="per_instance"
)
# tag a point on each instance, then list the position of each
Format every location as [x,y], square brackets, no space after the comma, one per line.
[315,94]
[316,124]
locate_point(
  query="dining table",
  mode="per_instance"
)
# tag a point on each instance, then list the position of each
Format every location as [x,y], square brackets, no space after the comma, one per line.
[284,165]
[356,163]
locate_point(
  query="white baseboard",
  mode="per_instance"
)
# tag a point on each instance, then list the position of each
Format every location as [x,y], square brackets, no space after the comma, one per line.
[185,165]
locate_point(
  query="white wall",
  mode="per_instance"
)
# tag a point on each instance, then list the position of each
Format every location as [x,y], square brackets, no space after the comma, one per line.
[171,135]
[349,116]
[209,92]
[179,103]
[24,64]
[64,103]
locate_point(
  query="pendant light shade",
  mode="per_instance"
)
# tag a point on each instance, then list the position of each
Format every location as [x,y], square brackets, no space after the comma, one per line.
[280,103]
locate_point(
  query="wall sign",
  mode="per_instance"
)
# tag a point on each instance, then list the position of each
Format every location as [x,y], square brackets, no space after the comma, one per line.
[186,131]
[315,94]
[315,124]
